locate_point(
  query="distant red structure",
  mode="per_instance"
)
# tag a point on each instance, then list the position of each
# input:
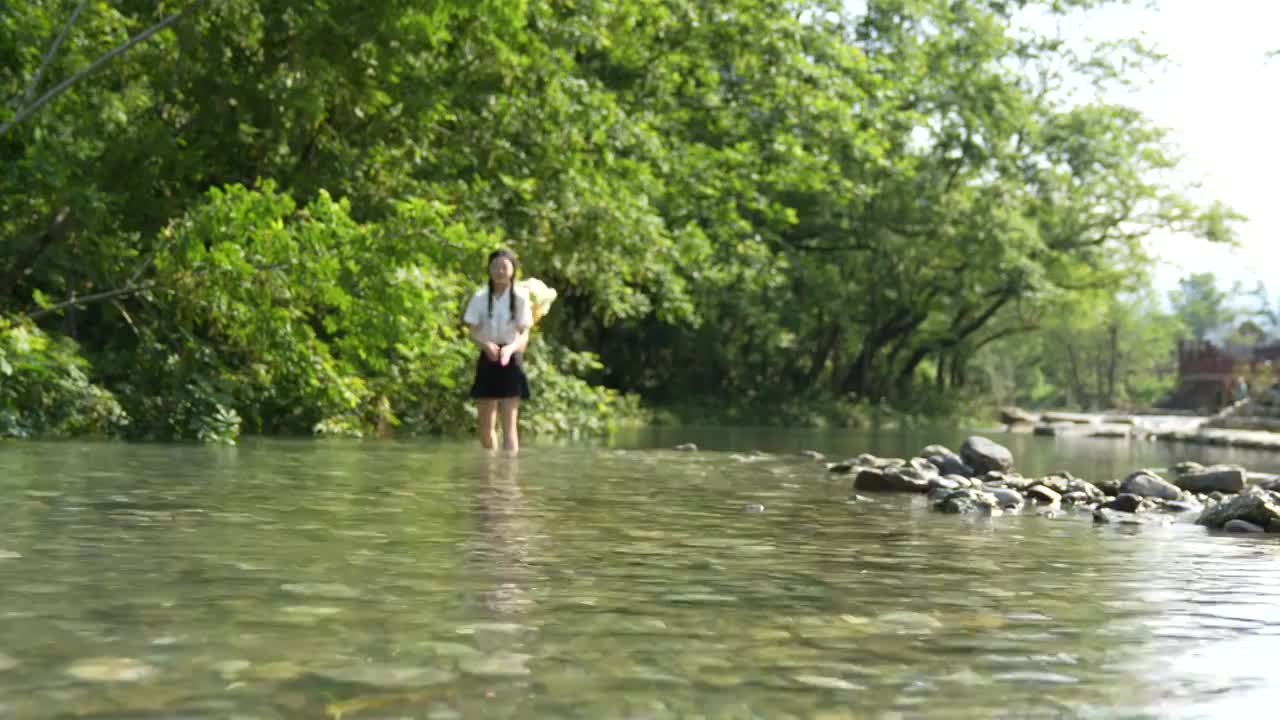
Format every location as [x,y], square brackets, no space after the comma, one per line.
[1207,373]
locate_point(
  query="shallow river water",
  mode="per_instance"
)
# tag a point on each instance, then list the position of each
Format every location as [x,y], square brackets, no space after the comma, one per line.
[284,579]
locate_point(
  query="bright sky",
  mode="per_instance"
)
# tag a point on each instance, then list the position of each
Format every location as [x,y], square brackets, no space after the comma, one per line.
[1220,95]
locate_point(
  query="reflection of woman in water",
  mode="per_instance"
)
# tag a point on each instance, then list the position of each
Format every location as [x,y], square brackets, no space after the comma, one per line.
[505,528]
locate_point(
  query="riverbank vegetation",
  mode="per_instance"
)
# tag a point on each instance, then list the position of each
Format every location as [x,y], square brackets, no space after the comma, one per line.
[266,216]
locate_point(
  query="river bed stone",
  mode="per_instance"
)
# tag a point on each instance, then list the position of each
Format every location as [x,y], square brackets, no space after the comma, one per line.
[1218,478]
[1253,504]
[984,455]
[1146,483]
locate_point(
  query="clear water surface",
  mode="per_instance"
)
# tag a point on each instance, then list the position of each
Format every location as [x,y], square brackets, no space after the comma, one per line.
[378,579]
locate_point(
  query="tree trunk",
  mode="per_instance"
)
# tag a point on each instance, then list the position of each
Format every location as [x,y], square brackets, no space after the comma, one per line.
[1113,362]
[1077,387]
[821,353]
[857,379]
[53,233]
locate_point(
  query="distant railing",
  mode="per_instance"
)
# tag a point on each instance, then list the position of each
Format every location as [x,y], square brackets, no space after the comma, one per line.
[1203,358]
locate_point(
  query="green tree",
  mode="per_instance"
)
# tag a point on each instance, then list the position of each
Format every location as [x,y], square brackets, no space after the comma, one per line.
[1096,351]
[1202,306]
[265,217]
[1265,311]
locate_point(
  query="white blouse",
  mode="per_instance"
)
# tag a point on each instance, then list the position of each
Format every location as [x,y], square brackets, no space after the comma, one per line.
[499,328]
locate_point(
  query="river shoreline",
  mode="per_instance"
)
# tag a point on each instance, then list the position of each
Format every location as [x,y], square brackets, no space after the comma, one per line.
[1185,429]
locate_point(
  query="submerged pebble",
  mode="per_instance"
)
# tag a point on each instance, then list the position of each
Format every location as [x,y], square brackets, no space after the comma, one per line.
[110,669]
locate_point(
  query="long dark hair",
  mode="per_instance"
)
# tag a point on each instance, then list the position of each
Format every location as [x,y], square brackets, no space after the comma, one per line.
[511,290]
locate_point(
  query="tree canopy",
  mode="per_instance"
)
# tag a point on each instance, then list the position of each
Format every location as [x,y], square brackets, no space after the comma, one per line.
[264,216]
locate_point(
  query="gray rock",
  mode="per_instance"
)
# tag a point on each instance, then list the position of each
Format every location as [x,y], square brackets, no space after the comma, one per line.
[950,464]
[1220,478]
[1042,495]
[943,483]
[962,481]
[937,495]
[937,450]
[869,478]
[845,467]
[1017,416]
[1267,481]
[1144,483]
[1242,526]
[1078,418]
[1076,498]
[1007,497]
[812,454]
[870,460]
[1105,516]
[1057,482]
[1110,488]
[924,472]
[1187,467]
[1253,505]
[687,447]
[1125,502]
[1093,491]
[983,455]
[968,500]
[925,467]
[1181,506]
[1017,482]
[1111,431]
[1055,429]
[895,479]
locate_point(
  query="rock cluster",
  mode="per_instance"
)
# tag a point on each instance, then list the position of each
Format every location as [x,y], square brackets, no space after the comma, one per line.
[980,478]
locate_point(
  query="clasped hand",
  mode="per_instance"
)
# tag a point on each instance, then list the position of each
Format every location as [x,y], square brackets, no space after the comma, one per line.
[499,354]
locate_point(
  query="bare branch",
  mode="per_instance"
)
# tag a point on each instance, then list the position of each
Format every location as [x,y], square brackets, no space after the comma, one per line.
[1006,332]
[86,299]
[128,289]
[62,87]
[48,56]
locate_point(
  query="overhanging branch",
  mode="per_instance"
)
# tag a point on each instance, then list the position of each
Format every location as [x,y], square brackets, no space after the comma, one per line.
[48,56]
[63,86]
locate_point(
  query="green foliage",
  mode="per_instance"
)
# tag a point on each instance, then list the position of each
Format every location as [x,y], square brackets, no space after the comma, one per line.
[1264,311]
[1203,307]
[44,388]
[1093,352]
[564,402]
[266,218]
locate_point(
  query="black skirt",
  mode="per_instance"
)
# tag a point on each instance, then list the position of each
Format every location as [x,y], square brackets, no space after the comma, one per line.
[496,381]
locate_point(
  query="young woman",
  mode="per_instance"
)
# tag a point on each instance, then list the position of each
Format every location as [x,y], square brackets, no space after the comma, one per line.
[500,317]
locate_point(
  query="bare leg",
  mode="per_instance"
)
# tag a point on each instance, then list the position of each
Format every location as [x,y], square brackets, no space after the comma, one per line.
[488,411]
[510,434]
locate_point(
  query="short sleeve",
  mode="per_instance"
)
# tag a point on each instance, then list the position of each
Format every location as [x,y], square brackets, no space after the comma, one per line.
[524,308]
[474,313]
